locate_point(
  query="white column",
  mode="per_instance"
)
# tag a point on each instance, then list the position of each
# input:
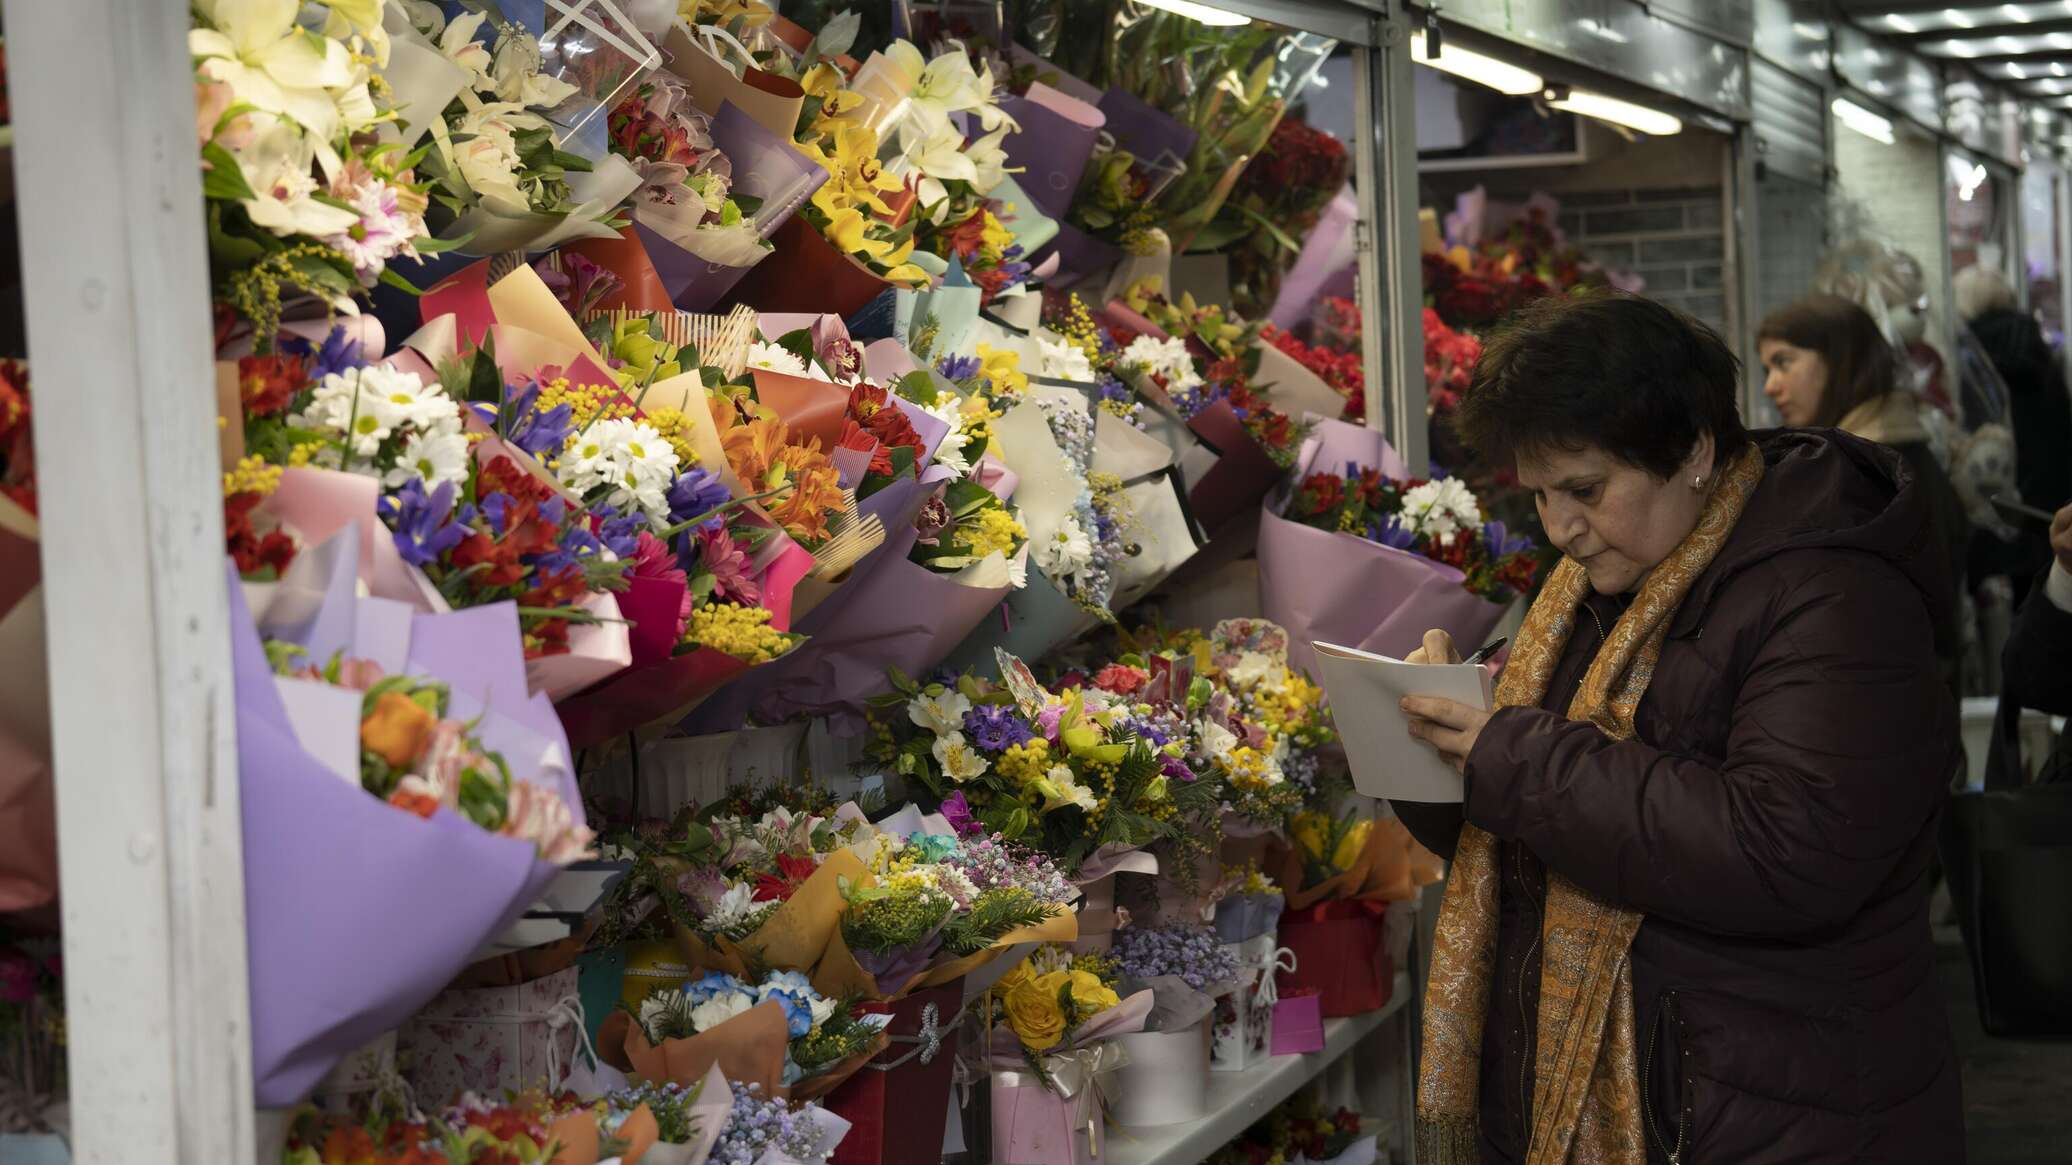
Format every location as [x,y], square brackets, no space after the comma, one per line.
[113,249]
[1391,278]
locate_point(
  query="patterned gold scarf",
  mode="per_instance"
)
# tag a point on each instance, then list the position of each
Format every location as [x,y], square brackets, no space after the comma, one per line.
[1586,1076]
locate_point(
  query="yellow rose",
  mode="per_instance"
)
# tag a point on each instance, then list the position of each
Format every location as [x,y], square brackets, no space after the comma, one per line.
[1034,1015]
[1021,974]
[1091,995]
[1351,844]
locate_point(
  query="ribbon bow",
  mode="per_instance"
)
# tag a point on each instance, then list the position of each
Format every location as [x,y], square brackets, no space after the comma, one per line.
[565,1012]
[927,1041]
[1268,993]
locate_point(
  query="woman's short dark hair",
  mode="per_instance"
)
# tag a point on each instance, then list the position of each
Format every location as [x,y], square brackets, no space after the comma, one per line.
[1625,374]
[1859,359]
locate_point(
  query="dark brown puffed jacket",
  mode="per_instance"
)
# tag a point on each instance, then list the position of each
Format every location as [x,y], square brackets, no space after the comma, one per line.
[1775,820]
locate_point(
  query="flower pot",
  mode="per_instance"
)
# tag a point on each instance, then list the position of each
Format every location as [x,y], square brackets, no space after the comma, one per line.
[1166,1080]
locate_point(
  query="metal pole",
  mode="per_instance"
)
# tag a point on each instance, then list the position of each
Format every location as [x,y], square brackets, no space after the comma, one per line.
[1391,296]
[143,737]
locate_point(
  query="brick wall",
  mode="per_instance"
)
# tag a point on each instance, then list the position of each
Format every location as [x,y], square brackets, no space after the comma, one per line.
[1671,236]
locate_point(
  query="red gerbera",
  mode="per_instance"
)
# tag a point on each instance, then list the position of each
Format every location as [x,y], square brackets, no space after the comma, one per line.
[266,384]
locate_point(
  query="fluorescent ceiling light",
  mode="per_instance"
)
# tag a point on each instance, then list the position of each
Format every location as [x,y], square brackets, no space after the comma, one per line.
[1960,48]
[1498,75]
[1863,121]
[1640,117]
[1902,24]
[1957,19]
[1968,175]
[2015,13]
[2009,43]
[1809,31]
[1202,13]
[1603,31]
[2057,68]
[2017,72]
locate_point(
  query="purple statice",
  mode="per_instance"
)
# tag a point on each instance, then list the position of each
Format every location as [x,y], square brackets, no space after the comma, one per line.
[1391,532]
[425,524]
[338,353]
[756,1126]
[996,727]
[958,369]
[1192,954]
[697,492]
[670,1104]
[1501,543]
[993,864]
[1302,767]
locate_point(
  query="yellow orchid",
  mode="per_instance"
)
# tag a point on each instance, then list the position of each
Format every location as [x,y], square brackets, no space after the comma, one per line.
[822,80]
[908,275]
[1003,370]
[849,231]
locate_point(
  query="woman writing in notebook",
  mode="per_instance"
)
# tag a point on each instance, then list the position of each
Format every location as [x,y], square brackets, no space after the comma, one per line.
[1687,914]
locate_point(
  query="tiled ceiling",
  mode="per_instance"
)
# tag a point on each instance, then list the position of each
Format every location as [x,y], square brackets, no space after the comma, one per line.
[2026,47]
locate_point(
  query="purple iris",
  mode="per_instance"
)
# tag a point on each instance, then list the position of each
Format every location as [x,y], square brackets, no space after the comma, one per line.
[339,353]
[996,727]
[497,508]
[1391,532]
[538,433]
[1115,390]
[1500,542]
[619,533]
[698,491]
[958,368]
[425,524]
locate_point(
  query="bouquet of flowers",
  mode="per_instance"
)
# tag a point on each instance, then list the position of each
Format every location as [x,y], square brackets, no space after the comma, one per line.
[1353,522]
[686,197]
[472,1132]
[1072,774]
[1078,349]
[1303,1132]
[763,1130]
[1047,999]
[1248,903]
[820,1034]
[1450,359]
[302,197]
[416,756]
[1341,368]
[1192,954]
[935,907]
[1439,519]
[1274,206]
[1054,1022]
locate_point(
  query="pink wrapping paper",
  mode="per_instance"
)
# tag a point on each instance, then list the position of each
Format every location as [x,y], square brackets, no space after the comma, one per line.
[317,503]
[595,651]
[1034,1126]
[492,1040]
[1343,589]
[1298,1025]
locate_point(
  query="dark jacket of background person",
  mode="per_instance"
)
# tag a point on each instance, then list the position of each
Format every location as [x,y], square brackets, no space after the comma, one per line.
[2035,672]
[1775,820]
[2039,407]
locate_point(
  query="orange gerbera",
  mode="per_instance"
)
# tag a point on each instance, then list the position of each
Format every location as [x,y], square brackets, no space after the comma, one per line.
[763,457]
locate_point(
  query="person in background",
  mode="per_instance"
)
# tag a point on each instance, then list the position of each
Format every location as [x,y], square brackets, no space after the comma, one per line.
[2033,671]
[1688,911]
[1828,366]
[2039,411]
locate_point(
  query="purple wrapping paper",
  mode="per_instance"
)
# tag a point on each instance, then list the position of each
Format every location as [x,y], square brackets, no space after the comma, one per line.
[1327,250]
[1343,589]
[893,613]
[1081,258]
[764,166]
[1142,130]
[692,283]
[358,913]
[1053,146]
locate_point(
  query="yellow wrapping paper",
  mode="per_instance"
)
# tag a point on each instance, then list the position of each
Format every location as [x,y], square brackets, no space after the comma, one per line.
[795,936]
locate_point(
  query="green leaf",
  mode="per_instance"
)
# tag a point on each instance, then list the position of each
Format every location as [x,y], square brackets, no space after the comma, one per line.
[798,342]
[391,279]
[224,179]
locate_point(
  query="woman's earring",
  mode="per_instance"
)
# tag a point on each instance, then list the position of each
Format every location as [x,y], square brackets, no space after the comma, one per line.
[1697,482]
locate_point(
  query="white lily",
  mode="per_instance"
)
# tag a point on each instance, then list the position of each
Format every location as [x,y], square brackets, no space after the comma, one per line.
[459,45]
[936,153]
[988,159]
[990,115]
[276,164]
[271,62]
[515,72]
[362,18]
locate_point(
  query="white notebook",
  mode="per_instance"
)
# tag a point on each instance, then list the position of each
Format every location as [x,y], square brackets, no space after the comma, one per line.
[1386,760]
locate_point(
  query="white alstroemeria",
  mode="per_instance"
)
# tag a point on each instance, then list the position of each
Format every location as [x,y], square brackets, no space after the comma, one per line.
[960,762]
[1067,551]
[488,160]
[1254,668]
[1216,740]
[720,1008]
[515,72]
[1070,791]
[272,63]
[1063,360]
[459,45]
[942,714]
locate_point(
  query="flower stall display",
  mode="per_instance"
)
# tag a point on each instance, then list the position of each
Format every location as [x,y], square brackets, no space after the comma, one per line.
[1303,1132]
[1165,1079]
[1247,919]
[1354,552]
[776,1032]
[1276,203]
[1340,871]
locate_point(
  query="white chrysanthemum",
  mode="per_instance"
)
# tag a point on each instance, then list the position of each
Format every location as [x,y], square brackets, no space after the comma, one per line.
[1065,361]
[1442,508]
[949,409]
[1167,358]
[776,358]
[1067,551]
[432,458]
[960,762]
[627,460]
[942,714]
[1018,569]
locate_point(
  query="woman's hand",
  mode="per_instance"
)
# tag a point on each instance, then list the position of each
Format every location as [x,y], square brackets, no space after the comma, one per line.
[1447,725]
[2060,543]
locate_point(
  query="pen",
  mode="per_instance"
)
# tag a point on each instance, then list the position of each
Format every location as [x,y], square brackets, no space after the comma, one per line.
[1483,655]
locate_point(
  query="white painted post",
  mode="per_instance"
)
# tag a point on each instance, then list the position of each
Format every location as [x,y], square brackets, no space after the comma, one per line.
[1391,298]
[109,195]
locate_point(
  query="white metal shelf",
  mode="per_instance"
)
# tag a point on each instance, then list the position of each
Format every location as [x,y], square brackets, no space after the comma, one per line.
[1238,1099]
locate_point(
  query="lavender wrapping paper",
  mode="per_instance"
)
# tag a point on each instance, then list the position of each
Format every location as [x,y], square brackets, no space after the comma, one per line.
[1144,131]
[1343,589]
[1080,257]
[1327,250]
[358,913]
[765,166]
[1057,138]
[894,613]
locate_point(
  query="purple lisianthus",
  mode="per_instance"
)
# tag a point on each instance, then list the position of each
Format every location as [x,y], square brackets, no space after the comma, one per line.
[425,524]
[996,727]
[1392,533]
[957,811]
[697,492]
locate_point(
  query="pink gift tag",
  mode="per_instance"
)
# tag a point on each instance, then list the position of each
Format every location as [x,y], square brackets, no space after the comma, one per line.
[1298,1025]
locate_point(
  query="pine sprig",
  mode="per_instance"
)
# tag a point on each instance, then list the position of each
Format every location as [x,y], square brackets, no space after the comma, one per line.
[991,916]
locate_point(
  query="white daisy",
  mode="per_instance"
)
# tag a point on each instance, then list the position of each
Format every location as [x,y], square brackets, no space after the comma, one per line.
[1067,551]
[432,458]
